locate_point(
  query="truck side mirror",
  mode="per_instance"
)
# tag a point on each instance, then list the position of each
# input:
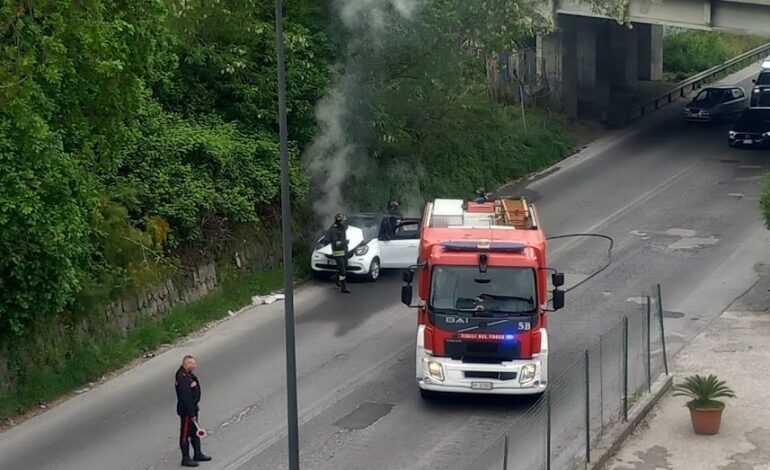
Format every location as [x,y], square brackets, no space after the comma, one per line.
[557,279]
[558,299]
[407,275]
[406,295]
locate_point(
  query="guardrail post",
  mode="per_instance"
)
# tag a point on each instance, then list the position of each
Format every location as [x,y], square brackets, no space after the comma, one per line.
[662,329]
[588,407]
[548,429]
[649,353]
[625,369]
[601,382]
[505,454]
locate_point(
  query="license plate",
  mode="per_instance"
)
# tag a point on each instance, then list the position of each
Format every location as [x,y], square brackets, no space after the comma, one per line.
[747,141]
[481,385]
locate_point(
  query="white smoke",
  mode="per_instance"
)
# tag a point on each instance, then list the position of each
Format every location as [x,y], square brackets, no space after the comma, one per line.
[330,157]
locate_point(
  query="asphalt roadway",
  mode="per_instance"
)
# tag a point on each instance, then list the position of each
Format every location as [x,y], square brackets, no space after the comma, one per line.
[681,205]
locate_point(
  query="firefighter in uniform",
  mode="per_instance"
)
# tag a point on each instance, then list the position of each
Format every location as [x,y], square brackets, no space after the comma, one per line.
[394,209]
[481,196]
[188,395]
[338,238]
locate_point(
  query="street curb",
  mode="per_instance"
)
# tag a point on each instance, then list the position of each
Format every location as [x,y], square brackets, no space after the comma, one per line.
[619,433]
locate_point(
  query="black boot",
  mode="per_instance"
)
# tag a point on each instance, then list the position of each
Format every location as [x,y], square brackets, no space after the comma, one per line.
[186,460]
[344,287]
[198,454]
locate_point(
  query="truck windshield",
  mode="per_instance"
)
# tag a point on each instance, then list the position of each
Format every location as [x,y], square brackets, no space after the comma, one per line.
[500,290]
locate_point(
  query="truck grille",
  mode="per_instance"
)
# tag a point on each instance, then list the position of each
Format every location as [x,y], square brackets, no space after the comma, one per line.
[469,351]
[490,375]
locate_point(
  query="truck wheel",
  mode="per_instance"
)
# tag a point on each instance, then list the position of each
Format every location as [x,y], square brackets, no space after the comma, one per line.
[374,270]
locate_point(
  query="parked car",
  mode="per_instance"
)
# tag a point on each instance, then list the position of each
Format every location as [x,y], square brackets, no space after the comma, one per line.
[766,63]
[761,83]
[752,129]
[375,241]
[716,103]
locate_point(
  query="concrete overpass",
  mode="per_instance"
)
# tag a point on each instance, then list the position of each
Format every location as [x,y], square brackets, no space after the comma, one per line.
[736,16]
[590,56]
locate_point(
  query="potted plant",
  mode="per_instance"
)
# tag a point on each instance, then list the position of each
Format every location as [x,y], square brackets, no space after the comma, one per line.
[705,409]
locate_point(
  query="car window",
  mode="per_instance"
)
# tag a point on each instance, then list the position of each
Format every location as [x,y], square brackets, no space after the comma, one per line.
[407,231]
[753,115]
[370,225]
[763,79]
[710,94]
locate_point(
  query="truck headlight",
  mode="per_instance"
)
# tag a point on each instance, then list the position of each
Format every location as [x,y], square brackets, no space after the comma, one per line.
[766,135]
[362,250]
[527,373]
[755,90]
[731,133]
[436,370]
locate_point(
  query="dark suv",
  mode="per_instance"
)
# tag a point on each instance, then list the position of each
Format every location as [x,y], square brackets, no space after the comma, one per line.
[752,129]
[761,83]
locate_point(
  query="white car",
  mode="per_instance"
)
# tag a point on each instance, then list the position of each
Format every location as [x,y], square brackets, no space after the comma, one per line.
[766,63]
[375,242]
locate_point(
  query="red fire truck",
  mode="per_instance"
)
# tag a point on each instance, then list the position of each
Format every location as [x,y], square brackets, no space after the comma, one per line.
[482,290]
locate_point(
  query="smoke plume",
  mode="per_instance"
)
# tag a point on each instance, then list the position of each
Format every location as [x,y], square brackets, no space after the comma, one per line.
[336,150]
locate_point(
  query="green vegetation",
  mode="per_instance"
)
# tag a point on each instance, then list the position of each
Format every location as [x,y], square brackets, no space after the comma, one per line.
[90,354]
[687,52]
[703,391]
[138,139]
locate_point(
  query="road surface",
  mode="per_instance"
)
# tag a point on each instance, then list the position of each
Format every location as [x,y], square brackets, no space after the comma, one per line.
[681,206]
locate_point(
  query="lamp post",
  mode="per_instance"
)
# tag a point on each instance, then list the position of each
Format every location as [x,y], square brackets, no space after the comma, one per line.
[288,268]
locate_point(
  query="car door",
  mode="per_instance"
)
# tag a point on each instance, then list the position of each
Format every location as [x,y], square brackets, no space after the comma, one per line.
[399,248]
[743,100]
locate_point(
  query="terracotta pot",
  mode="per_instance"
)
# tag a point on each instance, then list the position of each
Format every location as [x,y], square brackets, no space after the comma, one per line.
[706,420]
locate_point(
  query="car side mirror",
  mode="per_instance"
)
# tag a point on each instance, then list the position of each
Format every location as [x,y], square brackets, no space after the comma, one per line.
[406,295]
[557,279]
[407,275]
[558,299]
[754,81]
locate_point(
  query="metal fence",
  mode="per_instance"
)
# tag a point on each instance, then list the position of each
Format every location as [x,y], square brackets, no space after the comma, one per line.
[588,398]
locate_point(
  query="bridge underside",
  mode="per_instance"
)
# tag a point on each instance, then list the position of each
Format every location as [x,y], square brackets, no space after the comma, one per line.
[588,62]
[737,16]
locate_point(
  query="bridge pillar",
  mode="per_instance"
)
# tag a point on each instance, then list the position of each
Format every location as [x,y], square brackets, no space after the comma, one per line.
[624,62]
[570,68]
[650,54]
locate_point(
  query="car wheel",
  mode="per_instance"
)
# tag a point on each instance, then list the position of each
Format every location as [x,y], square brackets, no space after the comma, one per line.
[374,270]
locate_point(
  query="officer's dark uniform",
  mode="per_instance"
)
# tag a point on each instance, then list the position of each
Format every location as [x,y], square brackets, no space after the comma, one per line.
[394,211]
[188,395]
[338,238]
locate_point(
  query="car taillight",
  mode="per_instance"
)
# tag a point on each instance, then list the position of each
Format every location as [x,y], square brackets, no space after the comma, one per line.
[537,338]
[428,338]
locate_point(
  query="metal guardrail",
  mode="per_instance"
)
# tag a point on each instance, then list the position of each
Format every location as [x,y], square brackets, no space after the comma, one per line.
[696,81]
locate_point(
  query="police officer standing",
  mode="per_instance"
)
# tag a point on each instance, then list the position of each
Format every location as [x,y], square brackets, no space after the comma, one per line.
[337,236]
[188,395]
